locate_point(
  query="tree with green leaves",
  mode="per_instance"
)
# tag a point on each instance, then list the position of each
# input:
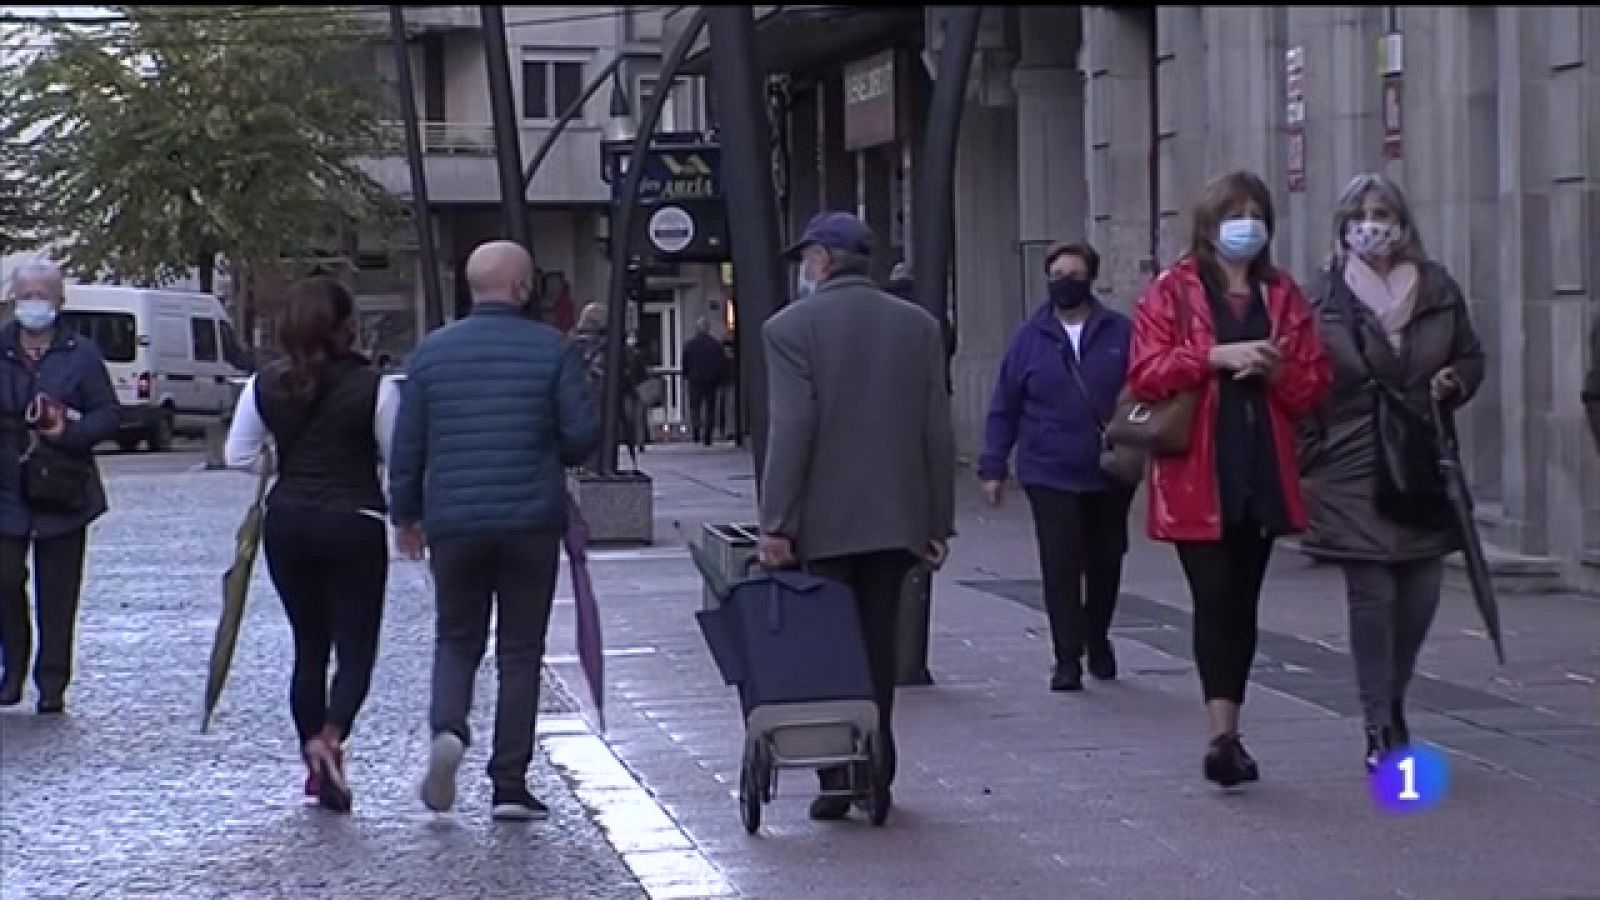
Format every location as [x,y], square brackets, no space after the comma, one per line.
[162,139]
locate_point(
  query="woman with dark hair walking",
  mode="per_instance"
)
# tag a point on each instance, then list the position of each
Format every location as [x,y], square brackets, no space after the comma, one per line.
[1227,328]
[1056,389]
[331,416]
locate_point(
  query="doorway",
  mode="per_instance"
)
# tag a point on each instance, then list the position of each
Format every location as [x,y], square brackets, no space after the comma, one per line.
[660,337]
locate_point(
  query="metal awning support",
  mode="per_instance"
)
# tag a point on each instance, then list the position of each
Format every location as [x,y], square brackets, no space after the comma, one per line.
[421,210]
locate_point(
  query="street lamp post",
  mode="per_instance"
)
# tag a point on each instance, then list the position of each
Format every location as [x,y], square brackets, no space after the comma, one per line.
[507,141]
[630,170]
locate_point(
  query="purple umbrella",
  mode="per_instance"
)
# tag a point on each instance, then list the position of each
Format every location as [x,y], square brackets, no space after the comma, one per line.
[591,646]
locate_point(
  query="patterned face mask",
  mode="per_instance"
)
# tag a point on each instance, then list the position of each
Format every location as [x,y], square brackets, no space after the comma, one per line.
[1372,240]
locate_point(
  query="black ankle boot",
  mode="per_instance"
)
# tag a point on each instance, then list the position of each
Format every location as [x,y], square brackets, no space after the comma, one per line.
[1380,743]
[1402,731]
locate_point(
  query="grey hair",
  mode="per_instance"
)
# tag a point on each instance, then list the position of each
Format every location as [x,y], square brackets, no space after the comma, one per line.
[35,269]
[848,262]
[1349,209]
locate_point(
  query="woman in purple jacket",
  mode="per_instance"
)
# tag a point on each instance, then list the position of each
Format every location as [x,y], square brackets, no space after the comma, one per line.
[1057,388]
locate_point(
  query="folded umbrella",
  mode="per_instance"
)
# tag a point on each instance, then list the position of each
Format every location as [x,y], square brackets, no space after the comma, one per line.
[1461,510]
[235,590]
[591,644]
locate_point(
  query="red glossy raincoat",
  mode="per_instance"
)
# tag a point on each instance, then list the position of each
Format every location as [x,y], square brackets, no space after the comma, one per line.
[1183,489]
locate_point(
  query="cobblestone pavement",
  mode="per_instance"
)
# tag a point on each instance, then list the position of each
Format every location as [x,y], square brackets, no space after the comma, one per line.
[122,797]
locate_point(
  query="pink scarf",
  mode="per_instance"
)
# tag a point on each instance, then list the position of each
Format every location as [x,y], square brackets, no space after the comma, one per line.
[1391,299]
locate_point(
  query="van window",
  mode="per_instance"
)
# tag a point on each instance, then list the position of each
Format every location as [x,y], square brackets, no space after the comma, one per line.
[205,339]
[116,334]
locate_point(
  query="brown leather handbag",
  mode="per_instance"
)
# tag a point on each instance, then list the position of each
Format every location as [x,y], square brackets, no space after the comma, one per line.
[1154,429]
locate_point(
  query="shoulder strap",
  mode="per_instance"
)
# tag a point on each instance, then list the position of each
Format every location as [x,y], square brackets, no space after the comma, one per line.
[1083,389]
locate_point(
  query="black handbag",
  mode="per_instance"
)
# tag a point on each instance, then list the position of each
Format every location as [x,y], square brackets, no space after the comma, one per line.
[53,479]
[1409,483]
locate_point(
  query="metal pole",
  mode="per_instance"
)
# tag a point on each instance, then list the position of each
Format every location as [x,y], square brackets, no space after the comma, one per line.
[621,233]
[507,140]
[421,211]
[930,261]
[566,119]
[758,272]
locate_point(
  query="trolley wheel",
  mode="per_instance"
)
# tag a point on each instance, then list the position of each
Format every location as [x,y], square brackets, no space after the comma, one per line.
[877,786]
[751,795]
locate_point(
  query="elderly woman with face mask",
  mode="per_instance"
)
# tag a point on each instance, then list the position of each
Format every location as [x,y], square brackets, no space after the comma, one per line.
[1397,331]
[56,404]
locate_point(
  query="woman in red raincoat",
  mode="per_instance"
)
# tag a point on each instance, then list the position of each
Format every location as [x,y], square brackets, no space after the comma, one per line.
[1225,323]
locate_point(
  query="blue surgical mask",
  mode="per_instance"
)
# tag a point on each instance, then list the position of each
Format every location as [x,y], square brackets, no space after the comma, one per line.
[35,314]
[1241,240]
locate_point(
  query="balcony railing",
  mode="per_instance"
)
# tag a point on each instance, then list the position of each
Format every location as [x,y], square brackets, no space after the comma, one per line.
[474,138]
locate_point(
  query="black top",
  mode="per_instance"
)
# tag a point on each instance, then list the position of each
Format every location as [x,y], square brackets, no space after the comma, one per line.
[1249,480]
[328,456]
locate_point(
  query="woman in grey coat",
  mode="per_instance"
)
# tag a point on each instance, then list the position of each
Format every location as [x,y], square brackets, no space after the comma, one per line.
[1387,313]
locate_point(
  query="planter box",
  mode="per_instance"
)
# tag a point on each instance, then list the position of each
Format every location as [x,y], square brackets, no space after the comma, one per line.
[619,509]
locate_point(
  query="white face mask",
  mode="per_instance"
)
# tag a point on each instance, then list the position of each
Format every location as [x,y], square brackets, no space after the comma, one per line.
[804,285]
[35,313]
[1372,240]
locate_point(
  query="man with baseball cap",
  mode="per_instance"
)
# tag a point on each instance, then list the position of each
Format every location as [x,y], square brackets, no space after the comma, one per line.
[859,477]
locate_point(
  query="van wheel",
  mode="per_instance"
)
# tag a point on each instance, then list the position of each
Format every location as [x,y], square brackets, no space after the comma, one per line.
[127,443]
[159,440]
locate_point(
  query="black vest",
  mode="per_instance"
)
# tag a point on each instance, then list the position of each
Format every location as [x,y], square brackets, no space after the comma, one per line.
[327,454]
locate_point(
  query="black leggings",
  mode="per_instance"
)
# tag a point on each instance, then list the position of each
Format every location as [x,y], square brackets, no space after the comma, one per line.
[330,569]
[1225,579]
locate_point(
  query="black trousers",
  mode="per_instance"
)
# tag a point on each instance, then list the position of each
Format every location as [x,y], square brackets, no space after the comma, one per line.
[331,570]
[1083,538]
[1225,579]
[58,579]
[515,577]
[702,412]
[878,580]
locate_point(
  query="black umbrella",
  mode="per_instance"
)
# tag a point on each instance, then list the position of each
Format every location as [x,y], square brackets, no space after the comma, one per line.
[1460,498]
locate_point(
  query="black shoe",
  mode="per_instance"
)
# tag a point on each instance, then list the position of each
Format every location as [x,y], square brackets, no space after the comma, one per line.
[1103,661]
[51,706]
[1067,677]
[1402,731]
[1380,743]
[1228,764]
[10,692]
[830,809]
[517,805]
[1248,770]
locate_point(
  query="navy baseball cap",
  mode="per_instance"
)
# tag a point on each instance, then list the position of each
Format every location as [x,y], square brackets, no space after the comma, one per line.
[834,231]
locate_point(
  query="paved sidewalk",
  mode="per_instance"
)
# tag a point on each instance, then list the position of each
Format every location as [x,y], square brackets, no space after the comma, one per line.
[122,798]
[1007,790]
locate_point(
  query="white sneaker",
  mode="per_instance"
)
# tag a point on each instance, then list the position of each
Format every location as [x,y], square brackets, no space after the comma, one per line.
[444,758]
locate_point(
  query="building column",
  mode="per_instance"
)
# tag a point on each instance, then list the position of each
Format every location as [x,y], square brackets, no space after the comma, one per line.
[987,266]
[1524,364]
[1052,188]
[1569,468]
[1120,65]
[1182,125]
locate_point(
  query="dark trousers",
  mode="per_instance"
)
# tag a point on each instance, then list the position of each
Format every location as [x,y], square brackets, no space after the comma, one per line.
[331,570]
[1391,609]
[877,580]
[516,577]
[1225,579]
[1082,539]
[702,412]
[58,579]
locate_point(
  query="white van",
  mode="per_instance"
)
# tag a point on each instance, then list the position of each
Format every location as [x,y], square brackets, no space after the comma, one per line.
[170,354]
